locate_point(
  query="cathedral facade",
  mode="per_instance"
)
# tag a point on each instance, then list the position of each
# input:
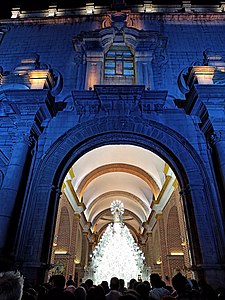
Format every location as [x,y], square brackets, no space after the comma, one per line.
[113,102]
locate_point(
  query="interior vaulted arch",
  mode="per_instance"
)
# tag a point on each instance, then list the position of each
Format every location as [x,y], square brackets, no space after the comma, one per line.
[118,194]
[118,167]
[129,205]
[135,223]
[118,181]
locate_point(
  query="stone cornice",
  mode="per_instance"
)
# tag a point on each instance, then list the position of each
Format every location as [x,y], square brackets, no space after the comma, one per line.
[36,18]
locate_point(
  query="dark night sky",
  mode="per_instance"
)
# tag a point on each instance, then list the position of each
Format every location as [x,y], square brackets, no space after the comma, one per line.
[5,7]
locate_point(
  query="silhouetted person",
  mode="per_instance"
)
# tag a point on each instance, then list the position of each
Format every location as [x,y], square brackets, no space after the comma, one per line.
[158,287]
[114,294]
[122,287]
[143,291]
[80,293]
[11,285]
[105,286]
[70,282]
[89,284]
[96,293]
[184,288]
[56,292]
[128,297]
[132,292]
[206,291]
[131,283]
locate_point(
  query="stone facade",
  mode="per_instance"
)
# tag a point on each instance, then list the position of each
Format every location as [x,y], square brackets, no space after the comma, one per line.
[56,105]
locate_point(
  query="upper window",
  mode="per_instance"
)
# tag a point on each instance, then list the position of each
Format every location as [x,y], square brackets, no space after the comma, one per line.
[119,61]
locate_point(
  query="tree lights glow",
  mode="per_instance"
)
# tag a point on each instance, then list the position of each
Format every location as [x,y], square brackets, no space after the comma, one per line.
[117,254]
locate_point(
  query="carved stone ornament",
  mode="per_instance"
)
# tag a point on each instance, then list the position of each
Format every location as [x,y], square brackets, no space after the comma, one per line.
[125,100]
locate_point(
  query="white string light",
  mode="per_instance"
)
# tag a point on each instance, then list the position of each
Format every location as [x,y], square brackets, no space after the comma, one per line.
[117,253]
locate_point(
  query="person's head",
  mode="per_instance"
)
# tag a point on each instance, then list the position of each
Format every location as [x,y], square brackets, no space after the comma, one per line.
[59,281]
[70,282]
[143,290]
[180,283]
[11,285]
[89,283]
[96,293]
[105,286]
[114,283]
[121,283]
[156,281]
[131,283]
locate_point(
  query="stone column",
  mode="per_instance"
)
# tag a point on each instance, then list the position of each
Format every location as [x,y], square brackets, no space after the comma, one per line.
[12,182]
[204,236]
[34,246]
[217,142]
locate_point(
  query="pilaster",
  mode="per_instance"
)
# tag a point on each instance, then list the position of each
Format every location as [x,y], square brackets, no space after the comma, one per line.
[217,142]
[74,240]
[163,244]
[11,186]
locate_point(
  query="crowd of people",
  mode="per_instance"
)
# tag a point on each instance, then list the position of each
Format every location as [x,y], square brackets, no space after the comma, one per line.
[13,287]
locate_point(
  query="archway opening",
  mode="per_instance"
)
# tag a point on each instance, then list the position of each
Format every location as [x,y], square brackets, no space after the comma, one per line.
[153,212]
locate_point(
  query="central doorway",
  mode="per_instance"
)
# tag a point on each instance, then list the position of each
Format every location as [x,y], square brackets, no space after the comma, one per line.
[153,212]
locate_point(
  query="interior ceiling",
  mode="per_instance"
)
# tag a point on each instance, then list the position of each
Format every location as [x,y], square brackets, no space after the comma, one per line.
[128,173]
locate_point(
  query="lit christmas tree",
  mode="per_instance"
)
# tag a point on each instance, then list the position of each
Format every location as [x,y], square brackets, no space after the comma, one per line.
[117,254]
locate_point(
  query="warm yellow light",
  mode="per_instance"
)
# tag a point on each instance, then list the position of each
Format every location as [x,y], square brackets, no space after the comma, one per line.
[55,244]
[159,261]
[76,261]
[90,8]
[38,78]
[177,253]
[63,252]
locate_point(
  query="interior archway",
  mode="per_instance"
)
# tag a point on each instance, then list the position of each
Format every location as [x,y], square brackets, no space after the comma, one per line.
[144,183]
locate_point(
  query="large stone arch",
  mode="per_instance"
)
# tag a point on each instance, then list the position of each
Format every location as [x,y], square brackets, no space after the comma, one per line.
[191,172]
